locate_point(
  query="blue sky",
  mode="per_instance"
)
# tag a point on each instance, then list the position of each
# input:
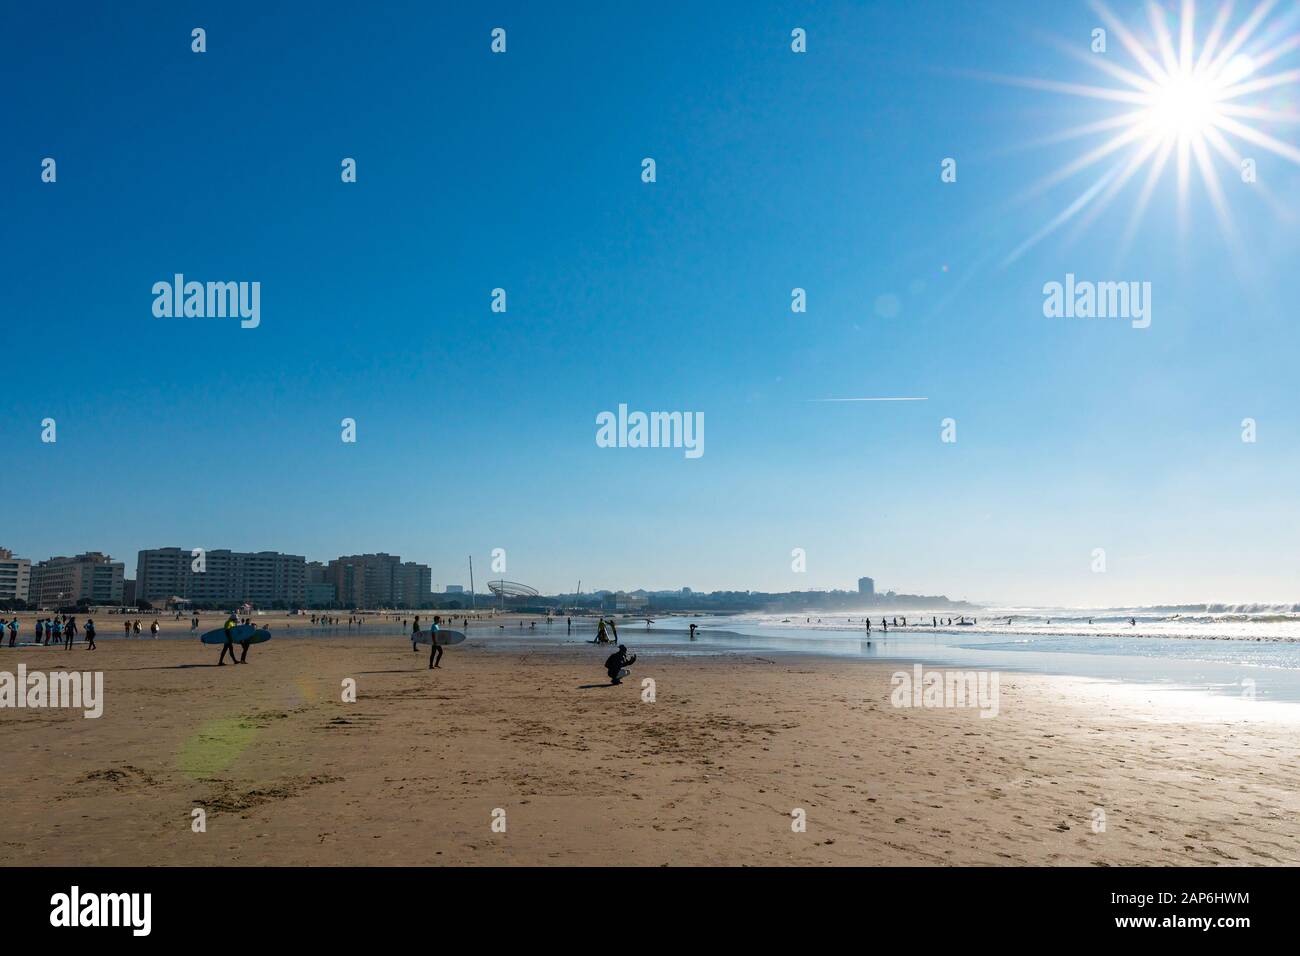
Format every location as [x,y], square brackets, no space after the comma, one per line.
[476,430]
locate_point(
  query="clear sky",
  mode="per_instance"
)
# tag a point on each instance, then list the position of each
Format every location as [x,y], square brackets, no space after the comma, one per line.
[775,170]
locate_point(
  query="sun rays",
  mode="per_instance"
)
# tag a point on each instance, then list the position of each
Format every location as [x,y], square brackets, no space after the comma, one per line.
[1190,106]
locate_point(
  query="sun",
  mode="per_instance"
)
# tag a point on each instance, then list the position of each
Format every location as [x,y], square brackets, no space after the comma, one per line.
[1185,107]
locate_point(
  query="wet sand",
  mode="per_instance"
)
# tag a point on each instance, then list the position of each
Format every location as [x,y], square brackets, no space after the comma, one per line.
[708,773]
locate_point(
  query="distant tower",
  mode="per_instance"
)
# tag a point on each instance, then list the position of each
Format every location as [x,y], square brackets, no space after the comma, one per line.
[866,587]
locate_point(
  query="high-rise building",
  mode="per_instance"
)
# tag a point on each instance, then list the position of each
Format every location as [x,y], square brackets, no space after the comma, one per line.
[867,587]
[414,585]
[220,577]
[15,576]
[380,580]
[92,577]
[320,594]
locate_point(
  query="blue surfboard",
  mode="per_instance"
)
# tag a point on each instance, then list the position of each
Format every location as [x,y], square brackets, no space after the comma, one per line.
[238,634]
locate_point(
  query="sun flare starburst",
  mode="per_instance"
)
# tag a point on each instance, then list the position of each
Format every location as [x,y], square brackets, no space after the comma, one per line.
[1182,104]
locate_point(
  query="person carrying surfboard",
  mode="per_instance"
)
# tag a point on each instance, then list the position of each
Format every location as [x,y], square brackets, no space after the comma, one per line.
[230,625]
[616,662]
[435,650]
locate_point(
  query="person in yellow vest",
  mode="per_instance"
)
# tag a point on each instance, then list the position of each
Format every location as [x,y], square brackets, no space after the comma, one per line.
[229,646]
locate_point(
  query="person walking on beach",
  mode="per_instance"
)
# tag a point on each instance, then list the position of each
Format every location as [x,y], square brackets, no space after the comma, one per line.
[13,631]
[40,629]
[415,629]
[229,646]
[69,631]
[616,662]
[435,650]
[126,627]
[90,634]
[153,628]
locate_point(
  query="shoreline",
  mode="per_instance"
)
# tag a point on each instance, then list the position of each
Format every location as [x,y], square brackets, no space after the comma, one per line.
[707,773]
[1191,686]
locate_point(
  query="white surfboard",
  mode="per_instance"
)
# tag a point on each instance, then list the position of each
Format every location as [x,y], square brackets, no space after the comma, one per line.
[445,638]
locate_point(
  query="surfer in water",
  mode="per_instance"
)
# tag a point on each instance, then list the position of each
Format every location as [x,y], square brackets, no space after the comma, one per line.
[435,649]
[615,663]
[229,646]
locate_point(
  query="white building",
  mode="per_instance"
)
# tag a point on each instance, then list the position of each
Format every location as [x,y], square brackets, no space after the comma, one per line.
[92,577]
[15,576]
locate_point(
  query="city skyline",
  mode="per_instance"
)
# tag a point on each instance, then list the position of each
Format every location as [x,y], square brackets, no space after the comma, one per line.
[178,563]
[864,586]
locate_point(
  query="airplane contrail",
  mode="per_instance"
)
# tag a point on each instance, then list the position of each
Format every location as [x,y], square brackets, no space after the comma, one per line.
[900,399]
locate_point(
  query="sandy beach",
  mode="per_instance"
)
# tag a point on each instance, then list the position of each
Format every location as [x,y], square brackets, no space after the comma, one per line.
[414,770]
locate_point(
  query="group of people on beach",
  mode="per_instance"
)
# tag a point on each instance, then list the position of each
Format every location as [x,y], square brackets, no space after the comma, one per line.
[61,629]
[615,665]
